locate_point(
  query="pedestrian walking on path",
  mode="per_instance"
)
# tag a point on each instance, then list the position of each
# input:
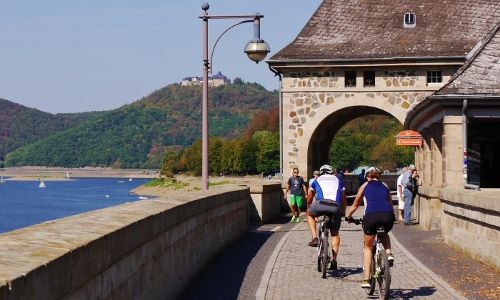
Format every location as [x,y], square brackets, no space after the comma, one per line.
[297,188]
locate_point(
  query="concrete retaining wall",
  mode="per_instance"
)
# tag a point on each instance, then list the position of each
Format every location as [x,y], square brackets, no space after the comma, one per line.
[471,222]
[266,202]
[146,249]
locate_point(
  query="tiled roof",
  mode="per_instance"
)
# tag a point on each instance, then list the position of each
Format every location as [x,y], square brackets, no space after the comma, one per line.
[480,75]
[371,29]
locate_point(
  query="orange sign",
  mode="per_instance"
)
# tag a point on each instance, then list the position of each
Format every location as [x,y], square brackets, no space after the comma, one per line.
[408,142]
[409,138]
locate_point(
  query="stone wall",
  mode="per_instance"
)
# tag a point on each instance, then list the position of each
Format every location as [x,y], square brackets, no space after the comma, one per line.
[148,249]
[428,208]
[266,202]
[319,97]
[470,221]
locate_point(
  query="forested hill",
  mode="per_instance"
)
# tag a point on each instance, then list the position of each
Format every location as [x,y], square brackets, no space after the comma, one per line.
[137,135]
[20,125]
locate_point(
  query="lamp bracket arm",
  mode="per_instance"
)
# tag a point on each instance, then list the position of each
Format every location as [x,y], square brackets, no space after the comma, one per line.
[210,63]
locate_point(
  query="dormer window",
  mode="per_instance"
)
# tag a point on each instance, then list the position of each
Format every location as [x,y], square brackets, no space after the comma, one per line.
[410,20]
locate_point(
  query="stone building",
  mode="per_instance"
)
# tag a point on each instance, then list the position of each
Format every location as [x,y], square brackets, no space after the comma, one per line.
[395,58]
[355,58]
[466,111]
[215,80]
[460,124]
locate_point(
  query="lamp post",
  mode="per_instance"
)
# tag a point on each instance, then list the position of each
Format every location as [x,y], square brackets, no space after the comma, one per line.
[256,49]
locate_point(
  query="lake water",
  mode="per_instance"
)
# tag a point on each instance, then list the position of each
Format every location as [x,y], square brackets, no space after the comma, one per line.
[23,203]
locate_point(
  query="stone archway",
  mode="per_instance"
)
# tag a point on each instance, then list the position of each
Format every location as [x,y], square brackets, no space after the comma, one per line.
[311,120]
[322,137]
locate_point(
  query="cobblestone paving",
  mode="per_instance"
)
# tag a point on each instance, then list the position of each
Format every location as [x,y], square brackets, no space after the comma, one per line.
[273,261]
[293,273]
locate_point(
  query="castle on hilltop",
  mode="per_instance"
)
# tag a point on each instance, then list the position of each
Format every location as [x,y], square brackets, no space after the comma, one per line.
[215,80]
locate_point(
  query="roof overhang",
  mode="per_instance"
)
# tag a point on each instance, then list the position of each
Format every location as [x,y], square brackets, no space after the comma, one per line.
[434,107]
[366,62]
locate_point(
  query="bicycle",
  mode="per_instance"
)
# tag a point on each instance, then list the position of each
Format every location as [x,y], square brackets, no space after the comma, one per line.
[323,248]
[380,268]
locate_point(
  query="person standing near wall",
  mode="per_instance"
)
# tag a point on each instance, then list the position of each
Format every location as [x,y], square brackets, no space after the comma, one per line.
[416,182]
[407,183]
[399,192]
[297,188]
[361,178]
[315,175]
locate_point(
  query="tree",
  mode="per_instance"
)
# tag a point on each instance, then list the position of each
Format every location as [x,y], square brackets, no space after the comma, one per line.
[192,157]
[214,155]
[248,156]
[169,165]
[268,151]
[264,120]
[369,140]
[228,155]
[389,156]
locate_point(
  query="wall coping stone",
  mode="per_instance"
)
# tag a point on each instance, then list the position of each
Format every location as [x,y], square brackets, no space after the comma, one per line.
[486,199]
[33,247]
[264,188]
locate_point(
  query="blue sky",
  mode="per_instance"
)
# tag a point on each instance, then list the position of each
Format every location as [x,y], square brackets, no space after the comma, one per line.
[84,55]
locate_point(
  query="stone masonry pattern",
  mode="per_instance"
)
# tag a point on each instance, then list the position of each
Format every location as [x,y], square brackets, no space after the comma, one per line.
[306,105]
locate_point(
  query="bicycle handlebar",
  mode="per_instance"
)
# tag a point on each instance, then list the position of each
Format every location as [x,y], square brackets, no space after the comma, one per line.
[352,220]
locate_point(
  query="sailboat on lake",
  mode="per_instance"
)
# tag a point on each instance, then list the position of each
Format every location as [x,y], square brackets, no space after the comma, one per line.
[2,180]
[41,183]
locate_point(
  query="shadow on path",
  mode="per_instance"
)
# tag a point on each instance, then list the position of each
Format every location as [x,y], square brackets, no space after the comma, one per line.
[410,293]
[344,272]
[236,272]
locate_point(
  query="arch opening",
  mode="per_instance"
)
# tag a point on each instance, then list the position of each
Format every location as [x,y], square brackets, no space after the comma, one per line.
[353,124]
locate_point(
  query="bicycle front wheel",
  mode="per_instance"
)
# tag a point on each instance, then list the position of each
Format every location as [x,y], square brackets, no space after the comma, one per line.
[320,253]
[384,278]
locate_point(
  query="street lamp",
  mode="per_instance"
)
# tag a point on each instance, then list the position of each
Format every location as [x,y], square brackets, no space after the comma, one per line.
[256,49]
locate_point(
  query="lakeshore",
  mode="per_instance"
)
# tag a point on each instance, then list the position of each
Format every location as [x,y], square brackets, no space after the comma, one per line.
[57,173]
[192,184]
[184,183]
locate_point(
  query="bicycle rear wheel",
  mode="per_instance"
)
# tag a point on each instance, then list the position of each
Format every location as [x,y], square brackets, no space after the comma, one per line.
[384,278]
[325,256]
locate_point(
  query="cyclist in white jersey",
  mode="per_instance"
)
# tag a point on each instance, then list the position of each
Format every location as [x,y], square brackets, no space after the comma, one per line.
[331,200]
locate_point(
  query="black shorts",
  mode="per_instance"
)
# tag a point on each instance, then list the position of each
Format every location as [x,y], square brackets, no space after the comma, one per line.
[373,220]
[331,208]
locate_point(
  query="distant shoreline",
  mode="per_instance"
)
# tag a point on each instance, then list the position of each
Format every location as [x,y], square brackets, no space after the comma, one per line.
[57,173]
[30,178]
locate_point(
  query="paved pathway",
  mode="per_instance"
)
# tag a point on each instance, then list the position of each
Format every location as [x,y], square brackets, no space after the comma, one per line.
[274,262]
[291,271]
